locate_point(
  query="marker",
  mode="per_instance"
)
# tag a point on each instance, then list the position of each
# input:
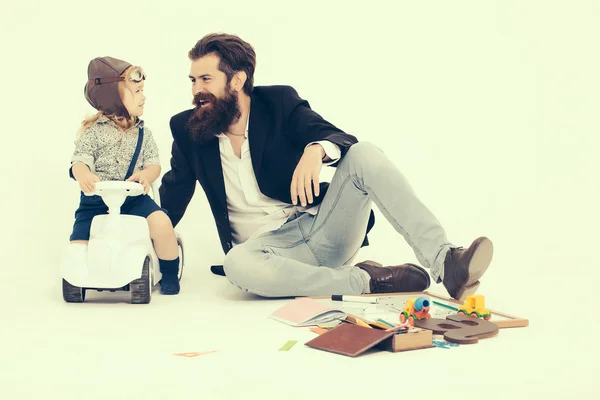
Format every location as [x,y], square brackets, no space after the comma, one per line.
[355,299]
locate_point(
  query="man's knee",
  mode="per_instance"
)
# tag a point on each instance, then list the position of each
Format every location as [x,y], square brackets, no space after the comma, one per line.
[251,269]
[240,266]
[363,153]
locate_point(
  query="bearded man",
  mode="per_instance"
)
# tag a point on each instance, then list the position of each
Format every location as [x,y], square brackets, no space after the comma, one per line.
[257,153]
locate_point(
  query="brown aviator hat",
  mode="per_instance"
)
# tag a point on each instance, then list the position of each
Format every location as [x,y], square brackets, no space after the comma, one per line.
[101,89]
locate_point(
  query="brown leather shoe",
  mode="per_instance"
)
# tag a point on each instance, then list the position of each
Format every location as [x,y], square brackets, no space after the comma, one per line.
[464,267]
[400,278]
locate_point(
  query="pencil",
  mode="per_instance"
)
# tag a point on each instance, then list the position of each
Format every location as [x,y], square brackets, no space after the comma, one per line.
[445,306]
[360,322]
[386,323]
[357,321]
[377,324]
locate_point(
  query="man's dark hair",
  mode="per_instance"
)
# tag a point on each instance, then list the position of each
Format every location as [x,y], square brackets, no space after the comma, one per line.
[235,55]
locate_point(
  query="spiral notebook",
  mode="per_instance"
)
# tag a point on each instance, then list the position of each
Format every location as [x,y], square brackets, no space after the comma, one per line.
[304,311]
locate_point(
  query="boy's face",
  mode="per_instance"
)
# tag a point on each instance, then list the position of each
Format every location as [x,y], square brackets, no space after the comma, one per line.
[133,98]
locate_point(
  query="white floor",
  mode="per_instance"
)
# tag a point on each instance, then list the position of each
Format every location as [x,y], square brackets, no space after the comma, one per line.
[106,347]
[489,108]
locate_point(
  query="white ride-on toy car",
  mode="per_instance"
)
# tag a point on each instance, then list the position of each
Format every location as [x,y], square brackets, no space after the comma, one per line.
[120,255]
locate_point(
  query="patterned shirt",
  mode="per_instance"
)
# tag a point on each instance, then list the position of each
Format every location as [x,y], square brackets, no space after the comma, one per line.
[107,149]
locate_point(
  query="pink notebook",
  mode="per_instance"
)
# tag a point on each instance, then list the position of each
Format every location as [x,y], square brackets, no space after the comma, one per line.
[304,311]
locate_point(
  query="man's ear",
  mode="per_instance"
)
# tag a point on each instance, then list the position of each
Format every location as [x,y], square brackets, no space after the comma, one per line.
[238,81]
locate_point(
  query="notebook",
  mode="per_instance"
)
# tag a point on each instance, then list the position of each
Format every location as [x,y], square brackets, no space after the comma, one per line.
[304,311]
[349,340]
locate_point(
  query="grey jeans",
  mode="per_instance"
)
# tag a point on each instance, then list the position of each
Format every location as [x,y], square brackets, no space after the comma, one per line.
[312,255]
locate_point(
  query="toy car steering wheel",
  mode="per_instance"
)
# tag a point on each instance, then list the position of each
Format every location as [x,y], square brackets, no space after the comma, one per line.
[117,187]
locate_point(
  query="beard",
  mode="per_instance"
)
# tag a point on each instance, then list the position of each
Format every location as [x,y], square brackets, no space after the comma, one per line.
[207,122]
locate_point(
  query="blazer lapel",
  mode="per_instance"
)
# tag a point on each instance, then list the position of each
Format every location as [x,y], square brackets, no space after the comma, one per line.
[211,157]
[258,129]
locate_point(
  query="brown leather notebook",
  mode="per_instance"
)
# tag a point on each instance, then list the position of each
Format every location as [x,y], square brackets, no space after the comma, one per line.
[349,340]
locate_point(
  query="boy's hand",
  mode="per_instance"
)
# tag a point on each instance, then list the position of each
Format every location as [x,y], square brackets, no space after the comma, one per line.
[140,177]
[87,182]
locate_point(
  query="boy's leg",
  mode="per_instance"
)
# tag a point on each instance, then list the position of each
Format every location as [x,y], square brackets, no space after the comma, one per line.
[89,207]
[163,237]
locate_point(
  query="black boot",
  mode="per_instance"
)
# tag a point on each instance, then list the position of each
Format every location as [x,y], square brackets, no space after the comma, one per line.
[169,284]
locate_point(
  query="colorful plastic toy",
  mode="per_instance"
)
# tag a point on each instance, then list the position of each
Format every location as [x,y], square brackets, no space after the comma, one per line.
[475,307]
[415,309]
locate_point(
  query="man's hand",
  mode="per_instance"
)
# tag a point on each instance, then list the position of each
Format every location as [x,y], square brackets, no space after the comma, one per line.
[140,177]
[87,182]
[307,172]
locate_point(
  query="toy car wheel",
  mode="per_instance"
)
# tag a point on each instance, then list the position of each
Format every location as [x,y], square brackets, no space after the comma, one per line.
[72,294]
[475,315]
[181,256]
[488,317]
[141,288]
[402,318]
[461,312]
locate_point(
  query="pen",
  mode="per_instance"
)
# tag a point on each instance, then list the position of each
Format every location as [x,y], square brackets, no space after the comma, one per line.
[355,299]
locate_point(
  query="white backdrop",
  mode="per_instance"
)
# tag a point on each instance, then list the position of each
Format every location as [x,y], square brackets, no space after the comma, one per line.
[489,108]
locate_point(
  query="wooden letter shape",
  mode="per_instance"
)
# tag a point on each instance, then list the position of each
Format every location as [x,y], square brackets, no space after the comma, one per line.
[461,329]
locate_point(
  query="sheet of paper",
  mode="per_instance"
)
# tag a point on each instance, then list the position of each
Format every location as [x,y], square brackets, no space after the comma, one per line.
[193,353]
[305,311]
[288,345]
[390,307]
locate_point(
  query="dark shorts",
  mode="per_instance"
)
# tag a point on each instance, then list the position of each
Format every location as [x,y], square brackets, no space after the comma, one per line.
[90,206]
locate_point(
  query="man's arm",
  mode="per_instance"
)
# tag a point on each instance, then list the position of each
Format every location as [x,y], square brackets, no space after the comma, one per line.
[178,184]
[305,126]
[331,152]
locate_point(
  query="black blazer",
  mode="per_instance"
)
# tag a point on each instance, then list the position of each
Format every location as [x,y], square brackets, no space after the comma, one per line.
[281,125]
